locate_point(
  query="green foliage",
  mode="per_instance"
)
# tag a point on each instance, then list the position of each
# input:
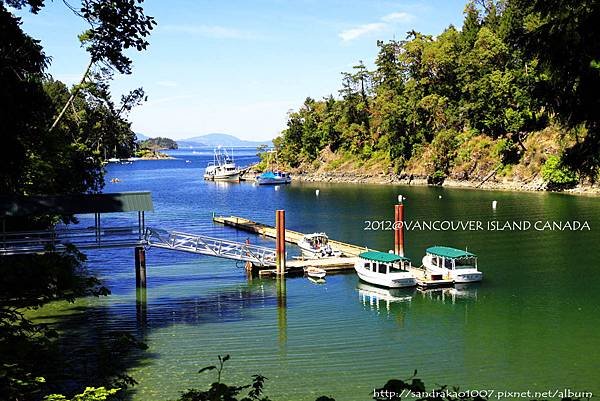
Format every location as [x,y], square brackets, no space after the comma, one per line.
[394,389]
[219,391]
[424,87]
[158,143]
[54,140]
[557,174]
[564,37]
[89,394]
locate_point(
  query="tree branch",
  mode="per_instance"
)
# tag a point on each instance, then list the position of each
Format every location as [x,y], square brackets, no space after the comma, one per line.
[72,97]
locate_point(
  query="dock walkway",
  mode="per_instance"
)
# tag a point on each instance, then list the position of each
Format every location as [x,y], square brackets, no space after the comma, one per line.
[291,236]
[350,251]
[329,264]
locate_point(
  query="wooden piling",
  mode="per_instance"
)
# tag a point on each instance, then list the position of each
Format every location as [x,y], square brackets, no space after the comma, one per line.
[399,229]
[280,241]
[140,267]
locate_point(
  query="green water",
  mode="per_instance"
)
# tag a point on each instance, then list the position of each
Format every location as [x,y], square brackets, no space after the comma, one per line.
[532,324]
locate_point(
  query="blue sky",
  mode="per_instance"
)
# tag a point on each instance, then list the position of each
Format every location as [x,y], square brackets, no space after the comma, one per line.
[238,66]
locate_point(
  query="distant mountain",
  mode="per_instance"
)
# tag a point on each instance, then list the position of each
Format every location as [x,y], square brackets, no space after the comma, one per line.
[141,137]
[220,139]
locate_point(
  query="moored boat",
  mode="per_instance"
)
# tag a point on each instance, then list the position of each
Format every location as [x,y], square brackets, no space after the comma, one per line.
[274,178]
[317,245]
[315,272]
[223,167]
[458,265]
[384,269]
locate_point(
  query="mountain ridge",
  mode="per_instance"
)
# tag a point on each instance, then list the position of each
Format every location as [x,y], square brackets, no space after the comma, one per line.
[216,139]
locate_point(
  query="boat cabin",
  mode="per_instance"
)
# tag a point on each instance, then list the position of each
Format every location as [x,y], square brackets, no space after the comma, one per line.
[444,257]
[384,263]
[317,240]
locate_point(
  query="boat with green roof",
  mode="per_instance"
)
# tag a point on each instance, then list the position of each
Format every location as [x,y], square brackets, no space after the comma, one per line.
[385,269]
[453,263]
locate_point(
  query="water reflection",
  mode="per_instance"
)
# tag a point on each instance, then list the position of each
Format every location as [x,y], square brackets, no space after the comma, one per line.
[141,310]
[224,185]
[282,314]
[378,297]
[453,295]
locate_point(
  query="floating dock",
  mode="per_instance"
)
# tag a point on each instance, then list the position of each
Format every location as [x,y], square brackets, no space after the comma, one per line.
[297,266]
[292,237]
[425,281]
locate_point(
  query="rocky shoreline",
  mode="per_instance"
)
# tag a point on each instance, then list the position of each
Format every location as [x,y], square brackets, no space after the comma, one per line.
[389,179]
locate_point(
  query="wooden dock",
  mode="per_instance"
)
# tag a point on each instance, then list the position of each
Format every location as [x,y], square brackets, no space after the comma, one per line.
[297,266]
[292,237]
[329,264]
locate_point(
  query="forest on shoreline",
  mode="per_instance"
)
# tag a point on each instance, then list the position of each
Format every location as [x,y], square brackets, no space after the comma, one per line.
[511,95]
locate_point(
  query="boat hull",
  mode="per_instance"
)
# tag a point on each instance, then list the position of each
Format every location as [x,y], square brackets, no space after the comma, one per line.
[395,280]
[316,254]
[227,177]
[315,272]
[272,181]
[460,276]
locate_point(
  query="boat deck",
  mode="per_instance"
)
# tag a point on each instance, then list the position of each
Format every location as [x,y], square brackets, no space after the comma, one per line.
[423,280]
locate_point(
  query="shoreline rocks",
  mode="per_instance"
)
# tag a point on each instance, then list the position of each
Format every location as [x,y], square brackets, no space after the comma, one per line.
[537,185]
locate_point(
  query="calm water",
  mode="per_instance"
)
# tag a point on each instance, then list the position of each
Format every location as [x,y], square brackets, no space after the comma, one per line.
[532,324]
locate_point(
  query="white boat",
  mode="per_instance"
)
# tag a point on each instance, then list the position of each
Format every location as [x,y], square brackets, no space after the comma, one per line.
[274,178]
[384,269]
[315,272]
[113,160]
[458,265]
[317,245]
[223,167]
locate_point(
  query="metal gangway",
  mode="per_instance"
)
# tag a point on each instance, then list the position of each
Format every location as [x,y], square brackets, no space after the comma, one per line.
[201,244]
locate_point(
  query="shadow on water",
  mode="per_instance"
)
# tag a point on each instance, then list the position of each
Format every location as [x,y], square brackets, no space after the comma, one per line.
[101,341]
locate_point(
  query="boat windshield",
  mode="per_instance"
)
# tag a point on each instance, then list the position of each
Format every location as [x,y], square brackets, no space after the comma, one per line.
[397,268]
[465,263]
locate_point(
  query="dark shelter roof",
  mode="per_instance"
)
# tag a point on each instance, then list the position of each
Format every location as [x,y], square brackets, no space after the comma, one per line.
[36,205]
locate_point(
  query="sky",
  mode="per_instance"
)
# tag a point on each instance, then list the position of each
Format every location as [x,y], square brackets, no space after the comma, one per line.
[237,66]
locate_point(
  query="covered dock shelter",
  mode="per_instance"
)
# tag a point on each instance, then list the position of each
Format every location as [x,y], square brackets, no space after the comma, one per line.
[13,208]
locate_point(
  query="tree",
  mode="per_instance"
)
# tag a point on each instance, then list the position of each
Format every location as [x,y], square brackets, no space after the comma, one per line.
[564,37]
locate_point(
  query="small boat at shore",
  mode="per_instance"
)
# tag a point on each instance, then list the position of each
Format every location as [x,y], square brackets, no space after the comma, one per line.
[458,265]
[384,269]
[274,178]
[223,167]
[315,272]
[316,246]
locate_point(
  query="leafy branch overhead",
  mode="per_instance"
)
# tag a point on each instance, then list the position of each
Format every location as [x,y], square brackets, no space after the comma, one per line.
[115,26]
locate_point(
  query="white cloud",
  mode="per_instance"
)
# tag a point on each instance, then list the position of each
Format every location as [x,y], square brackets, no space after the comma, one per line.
[384,23]
[362,30]
[211,31]
[397,17]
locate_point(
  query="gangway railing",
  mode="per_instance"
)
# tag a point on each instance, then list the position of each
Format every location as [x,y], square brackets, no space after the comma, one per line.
[201,244]
[57,239]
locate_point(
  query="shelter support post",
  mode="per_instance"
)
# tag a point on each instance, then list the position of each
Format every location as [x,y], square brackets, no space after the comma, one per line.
[140,267]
